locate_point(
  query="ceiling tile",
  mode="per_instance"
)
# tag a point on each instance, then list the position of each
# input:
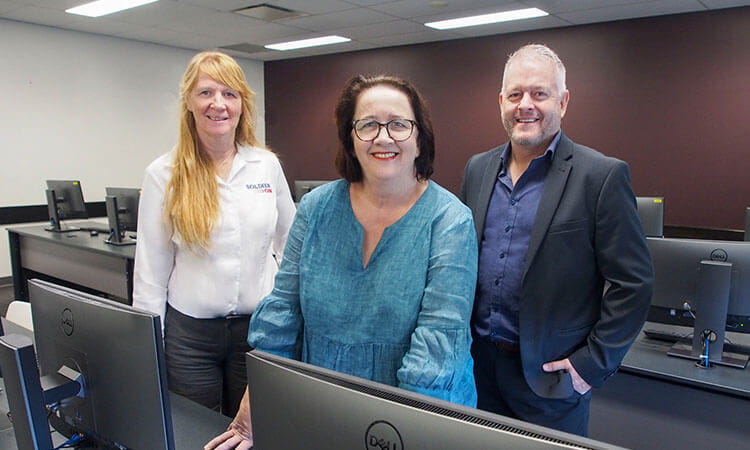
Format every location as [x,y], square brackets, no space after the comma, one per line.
[428,35]
[395,27]
[222,5]
[312,7]
[632,11]
[557,6]
[7,6]
[41,16]
[261,34]
[351,17]
[204,22]
[161,13]
[368,2]
[99,25]
[150,34]
[454,8]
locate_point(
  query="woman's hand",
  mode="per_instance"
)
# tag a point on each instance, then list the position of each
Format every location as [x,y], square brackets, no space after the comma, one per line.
[239,435]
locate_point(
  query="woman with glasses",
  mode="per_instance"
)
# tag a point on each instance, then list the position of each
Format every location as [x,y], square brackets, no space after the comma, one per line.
[379,270]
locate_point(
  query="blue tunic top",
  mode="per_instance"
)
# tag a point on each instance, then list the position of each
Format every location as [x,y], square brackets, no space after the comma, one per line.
[403,320]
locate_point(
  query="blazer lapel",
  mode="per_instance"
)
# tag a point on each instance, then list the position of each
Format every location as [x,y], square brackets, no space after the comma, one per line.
[489,178]
[554,186]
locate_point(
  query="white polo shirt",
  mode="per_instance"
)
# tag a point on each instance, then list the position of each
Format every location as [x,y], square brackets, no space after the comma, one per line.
[255,213]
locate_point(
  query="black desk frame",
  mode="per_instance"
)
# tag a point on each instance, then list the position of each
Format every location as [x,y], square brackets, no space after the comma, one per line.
[74,259]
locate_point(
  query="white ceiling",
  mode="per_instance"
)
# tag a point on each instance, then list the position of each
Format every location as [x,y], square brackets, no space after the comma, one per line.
[208,24]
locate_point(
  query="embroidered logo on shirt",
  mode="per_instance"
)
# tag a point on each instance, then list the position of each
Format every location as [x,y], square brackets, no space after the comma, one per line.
[260,187]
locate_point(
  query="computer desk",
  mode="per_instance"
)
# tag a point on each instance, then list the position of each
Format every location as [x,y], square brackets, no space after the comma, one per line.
[193,424]
[74,258]
[664,402]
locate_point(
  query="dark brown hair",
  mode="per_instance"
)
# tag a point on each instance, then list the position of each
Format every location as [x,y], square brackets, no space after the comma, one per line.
[346,162]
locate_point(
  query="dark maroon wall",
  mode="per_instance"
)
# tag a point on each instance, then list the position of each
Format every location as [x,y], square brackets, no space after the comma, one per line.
[670,95]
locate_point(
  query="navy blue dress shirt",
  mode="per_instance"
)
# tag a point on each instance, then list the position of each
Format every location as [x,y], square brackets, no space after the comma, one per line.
[507,229]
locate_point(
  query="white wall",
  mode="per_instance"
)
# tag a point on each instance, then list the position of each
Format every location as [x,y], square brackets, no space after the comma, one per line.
[88,107]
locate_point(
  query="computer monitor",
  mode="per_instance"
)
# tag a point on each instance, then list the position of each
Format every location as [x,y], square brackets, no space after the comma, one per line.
[300,406]
[24,393]
[302,187]
[698,280]
[747,223]
[64,202]
[651,213]
[118,352]
[122,214]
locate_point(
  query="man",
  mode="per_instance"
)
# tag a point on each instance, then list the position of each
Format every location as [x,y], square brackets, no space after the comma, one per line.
[565,277]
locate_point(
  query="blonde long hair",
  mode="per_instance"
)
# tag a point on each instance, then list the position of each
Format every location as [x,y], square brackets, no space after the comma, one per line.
[192,196]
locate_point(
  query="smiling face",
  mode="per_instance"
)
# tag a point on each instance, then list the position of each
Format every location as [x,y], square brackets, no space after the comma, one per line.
[216,108]
[532,103]
[383,158]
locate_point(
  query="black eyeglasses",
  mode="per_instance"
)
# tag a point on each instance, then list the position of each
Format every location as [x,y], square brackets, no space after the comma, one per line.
[398,129]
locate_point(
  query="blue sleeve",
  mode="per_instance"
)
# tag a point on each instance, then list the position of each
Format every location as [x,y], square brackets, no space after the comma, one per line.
[277,325]
[439,363]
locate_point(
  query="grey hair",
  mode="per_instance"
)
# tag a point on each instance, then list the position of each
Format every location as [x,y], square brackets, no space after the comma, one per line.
[539,51]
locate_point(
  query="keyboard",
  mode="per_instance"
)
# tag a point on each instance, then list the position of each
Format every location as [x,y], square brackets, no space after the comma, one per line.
[92,226]
[98,229]
[687,338]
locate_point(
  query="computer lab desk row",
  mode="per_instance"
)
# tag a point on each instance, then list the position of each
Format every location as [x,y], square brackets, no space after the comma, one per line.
[75,258]
[663,402]
[653,401]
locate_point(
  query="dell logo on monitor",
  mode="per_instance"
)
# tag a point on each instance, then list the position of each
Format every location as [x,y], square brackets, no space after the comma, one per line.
[381,435]
[66,322]
[719,255]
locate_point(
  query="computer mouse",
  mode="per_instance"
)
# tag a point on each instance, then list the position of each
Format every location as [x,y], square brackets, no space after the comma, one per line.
[94,233]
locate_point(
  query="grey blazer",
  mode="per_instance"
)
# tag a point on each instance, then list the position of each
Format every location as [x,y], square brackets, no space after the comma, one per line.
[588,275]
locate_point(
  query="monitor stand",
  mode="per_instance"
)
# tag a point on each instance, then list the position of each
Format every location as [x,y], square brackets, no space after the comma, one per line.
[54,216]
[116,232]
[712,303]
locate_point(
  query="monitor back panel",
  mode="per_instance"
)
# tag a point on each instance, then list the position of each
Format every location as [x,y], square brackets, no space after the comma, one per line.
[651,213]
[120,356]
[293,410]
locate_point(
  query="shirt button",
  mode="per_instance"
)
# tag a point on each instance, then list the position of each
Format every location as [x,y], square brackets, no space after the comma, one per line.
[513,202]
[502,255]
[507,228]
[497,282]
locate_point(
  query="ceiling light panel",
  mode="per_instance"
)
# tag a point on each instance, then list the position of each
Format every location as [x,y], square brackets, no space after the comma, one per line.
[104,7]
[484,19]
[315,42]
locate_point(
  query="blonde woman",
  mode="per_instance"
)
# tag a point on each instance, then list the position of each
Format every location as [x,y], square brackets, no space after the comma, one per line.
[213,221]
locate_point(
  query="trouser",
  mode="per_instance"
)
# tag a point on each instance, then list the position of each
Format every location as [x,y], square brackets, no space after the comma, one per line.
[206,359]
[502,389]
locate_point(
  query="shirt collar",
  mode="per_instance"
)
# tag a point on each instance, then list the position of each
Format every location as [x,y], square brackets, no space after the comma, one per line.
[549,153]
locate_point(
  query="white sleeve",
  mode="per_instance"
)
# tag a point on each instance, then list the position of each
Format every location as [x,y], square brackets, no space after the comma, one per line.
[286,211]
[154,254]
